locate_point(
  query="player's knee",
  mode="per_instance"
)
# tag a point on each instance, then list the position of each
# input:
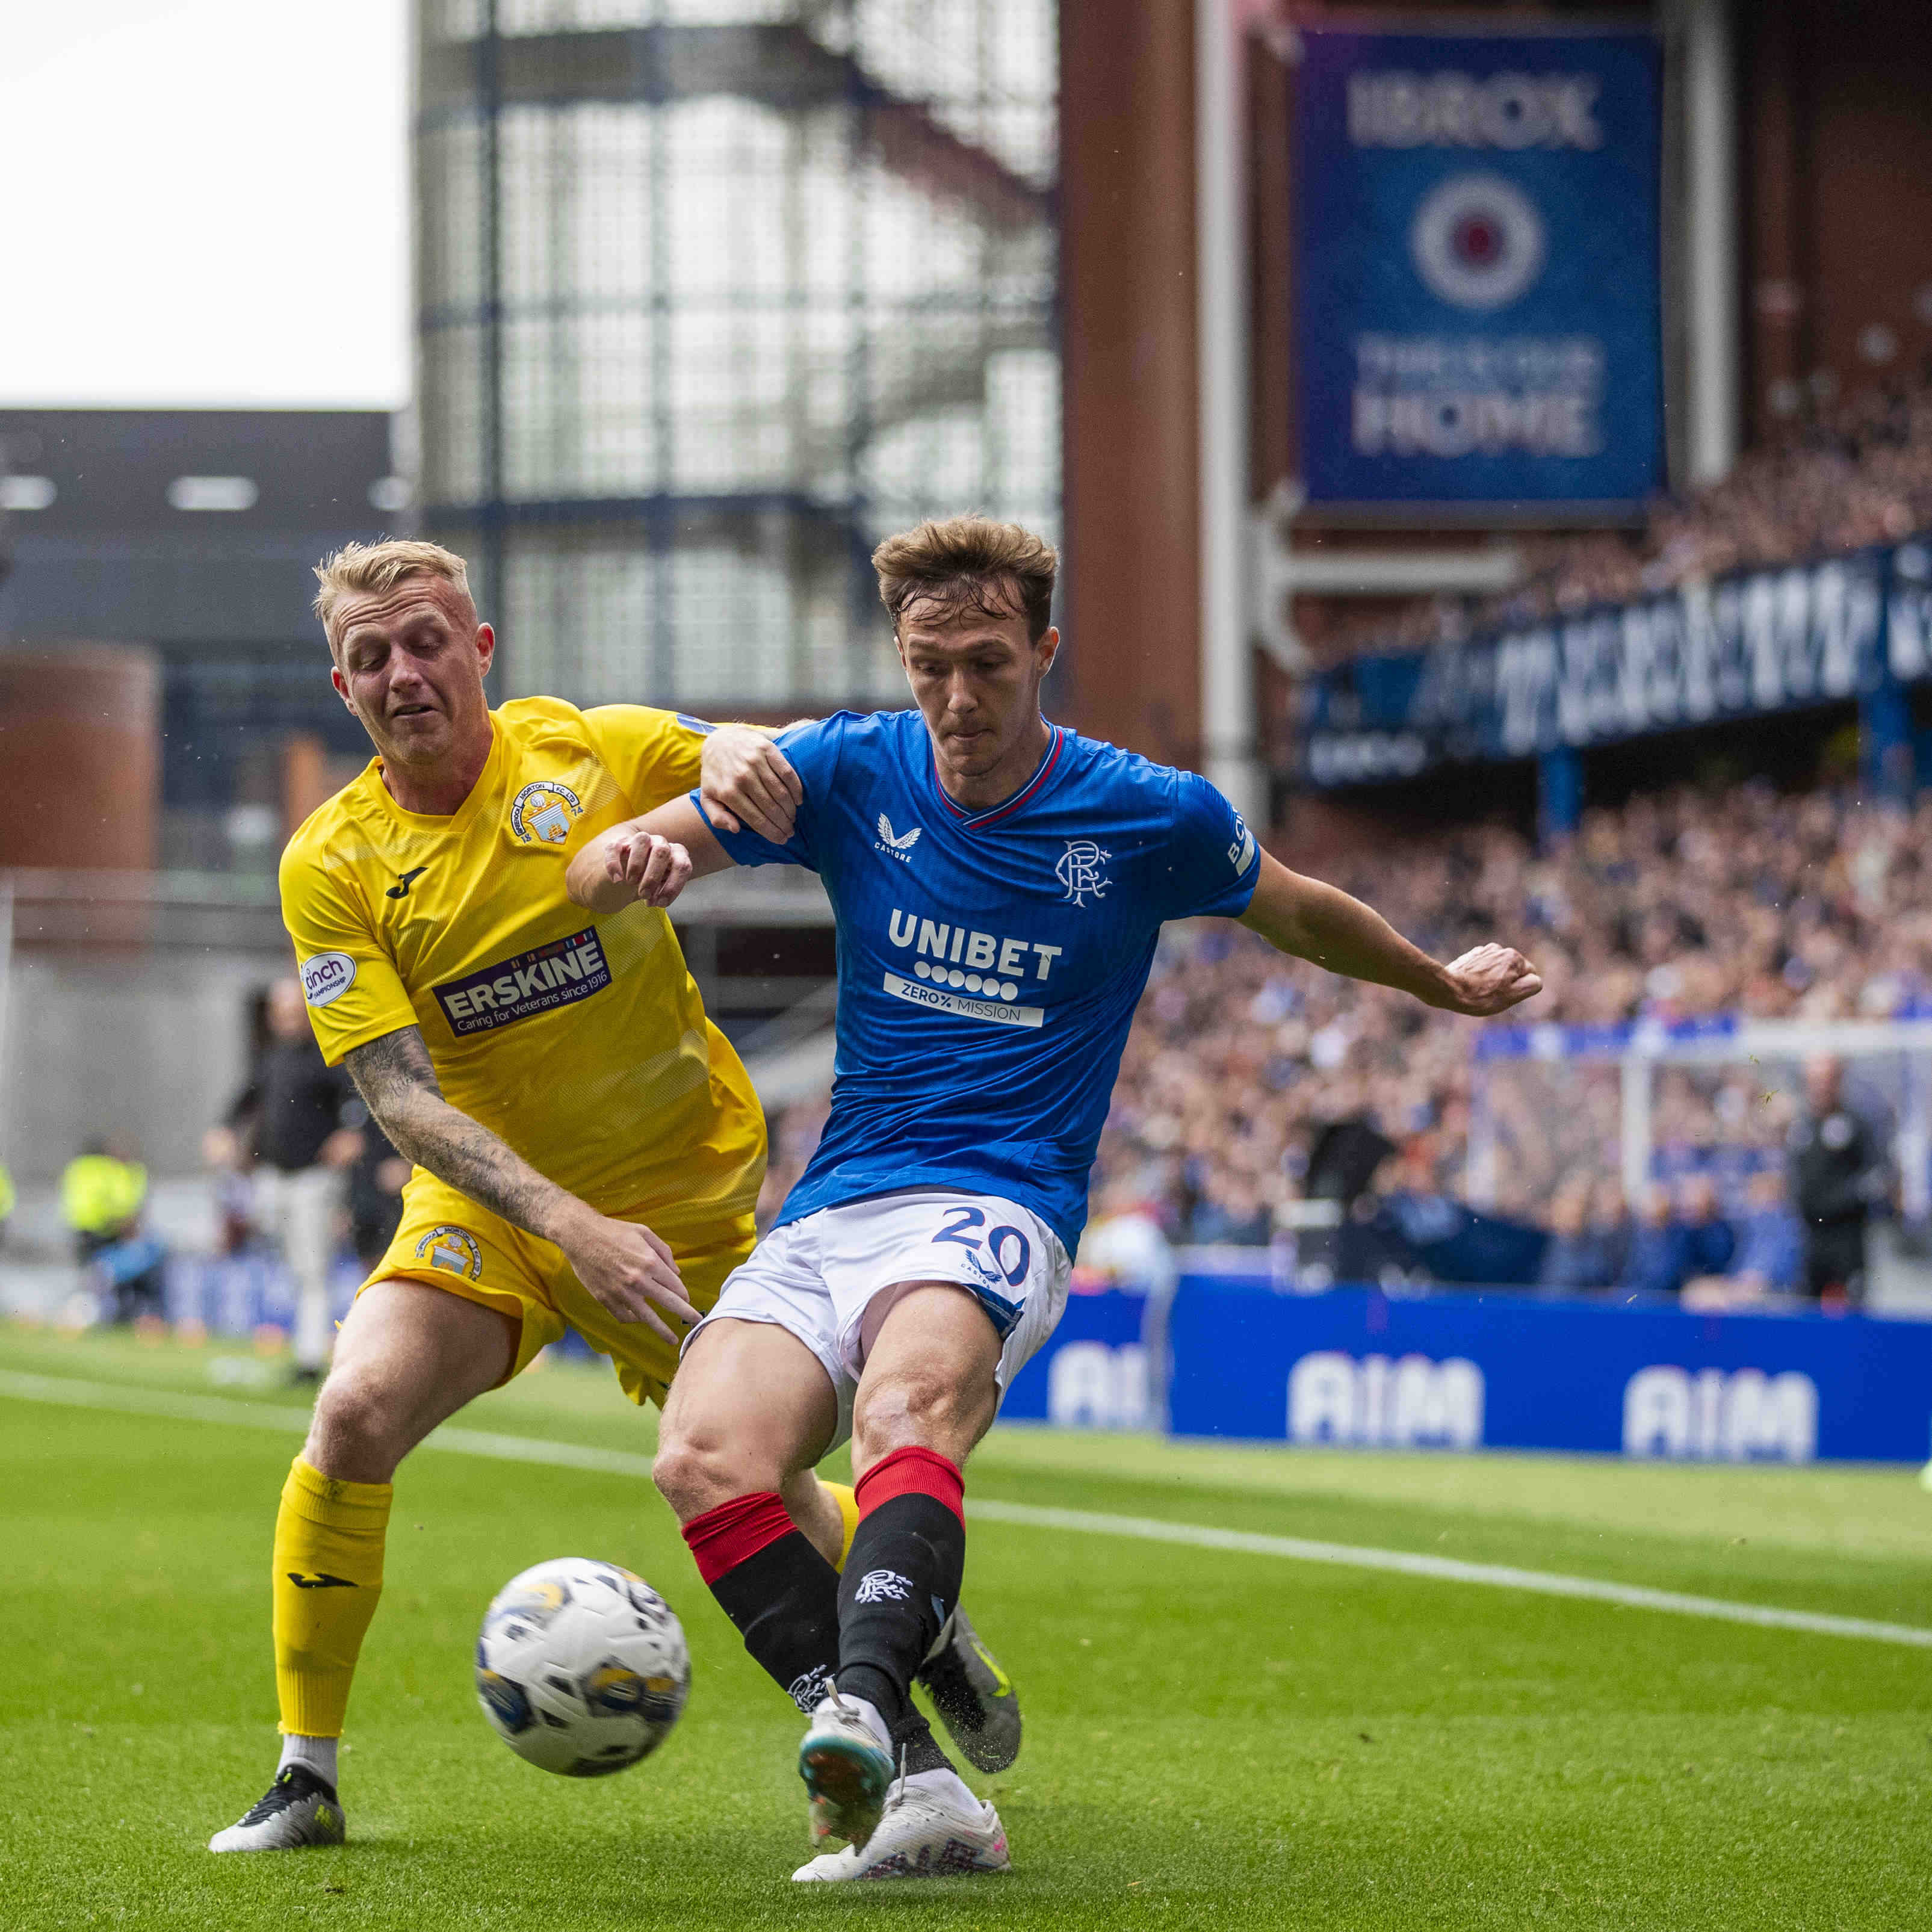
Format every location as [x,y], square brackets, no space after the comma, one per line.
[354,1435]
[923,1408]
[698,1470]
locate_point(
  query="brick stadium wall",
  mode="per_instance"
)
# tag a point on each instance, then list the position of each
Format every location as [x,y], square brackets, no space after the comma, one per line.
[1837,176]
[80,741]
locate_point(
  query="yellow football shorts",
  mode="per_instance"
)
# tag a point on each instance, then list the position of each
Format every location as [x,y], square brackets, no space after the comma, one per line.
[446,1240]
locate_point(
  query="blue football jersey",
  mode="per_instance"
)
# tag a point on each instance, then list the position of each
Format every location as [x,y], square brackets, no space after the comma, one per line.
[989,962]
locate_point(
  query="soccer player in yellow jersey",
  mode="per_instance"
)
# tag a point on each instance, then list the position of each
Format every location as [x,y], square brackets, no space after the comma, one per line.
[587,1146]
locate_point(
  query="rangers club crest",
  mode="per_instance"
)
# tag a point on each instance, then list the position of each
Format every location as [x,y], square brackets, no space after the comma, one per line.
[543,812]
[1477,241]
[1080,870]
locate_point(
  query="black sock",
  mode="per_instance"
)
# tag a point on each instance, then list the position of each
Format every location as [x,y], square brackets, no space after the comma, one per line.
[784,1600]
[901,1583]
[785,1605]
[916,1747]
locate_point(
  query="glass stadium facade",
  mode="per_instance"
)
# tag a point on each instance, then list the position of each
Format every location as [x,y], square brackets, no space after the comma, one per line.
[713,294]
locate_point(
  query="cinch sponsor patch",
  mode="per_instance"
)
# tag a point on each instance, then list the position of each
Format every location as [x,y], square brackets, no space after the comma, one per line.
[326,976]
[532,982]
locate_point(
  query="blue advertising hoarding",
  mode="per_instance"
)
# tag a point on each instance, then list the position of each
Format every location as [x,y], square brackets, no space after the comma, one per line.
[1355,1367]
[1093,1371]
[1477,274]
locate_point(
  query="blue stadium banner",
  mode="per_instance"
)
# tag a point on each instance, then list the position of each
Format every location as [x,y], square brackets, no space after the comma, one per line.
[1485,1370]
[1763,641]
[1477,269]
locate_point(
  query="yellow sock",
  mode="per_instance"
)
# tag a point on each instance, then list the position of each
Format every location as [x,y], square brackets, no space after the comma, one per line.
[327,1579]
[848,1512]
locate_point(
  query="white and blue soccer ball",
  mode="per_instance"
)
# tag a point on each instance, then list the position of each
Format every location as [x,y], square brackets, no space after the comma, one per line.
[581,1667]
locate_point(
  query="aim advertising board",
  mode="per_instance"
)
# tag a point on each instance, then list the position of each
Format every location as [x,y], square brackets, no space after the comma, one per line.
[1468,1370]
[1476,270]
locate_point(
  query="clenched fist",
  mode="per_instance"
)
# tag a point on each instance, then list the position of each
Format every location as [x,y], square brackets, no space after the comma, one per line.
[1488,980]
[655,869]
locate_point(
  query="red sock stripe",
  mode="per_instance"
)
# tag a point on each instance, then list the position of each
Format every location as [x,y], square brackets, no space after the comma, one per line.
[733,1533]
[907,1472]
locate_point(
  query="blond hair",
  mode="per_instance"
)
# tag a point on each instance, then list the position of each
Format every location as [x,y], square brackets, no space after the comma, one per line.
[969,563]
[357,568]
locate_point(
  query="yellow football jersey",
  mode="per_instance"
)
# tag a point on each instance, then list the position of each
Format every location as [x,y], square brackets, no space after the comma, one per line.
[580,1041]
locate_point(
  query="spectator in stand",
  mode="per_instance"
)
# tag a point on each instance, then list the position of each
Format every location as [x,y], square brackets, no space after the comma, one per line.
[1838,1178]
[1231,1213]
[1577,1254]
[1124,1241]
[1610,1226]
[1770,1248]
[1655,1264]
[1770,1256]
[1709,1241]
[293,1118]
[104,1191]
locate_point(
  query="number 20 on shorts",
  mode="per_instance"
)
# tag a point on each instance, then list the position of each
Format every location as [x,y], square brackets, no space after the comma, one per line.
[1000,1243]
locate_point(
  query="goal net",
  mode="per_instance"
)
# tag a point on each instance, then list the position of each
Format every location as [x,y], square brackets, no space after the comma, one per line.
[1557,1106]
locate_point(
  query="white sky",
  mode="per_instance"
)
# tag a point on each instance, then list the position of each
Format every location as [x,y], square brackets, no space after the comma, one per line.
[207,202]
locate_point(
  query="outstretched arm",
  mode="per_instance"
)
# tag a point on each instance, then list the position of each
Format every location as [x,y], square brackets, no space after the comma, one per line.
[1322,923]
[622,1264]
[651,858]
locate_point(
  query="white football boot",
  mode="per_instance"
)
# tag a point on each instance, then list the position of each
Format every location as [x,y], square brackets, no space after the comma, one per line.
[924,1833]
[299,1808]
[847,1764]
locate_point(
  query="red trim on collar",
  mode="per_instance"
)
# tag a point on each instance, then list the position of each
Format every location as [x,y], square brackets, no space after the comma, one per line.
[972,821]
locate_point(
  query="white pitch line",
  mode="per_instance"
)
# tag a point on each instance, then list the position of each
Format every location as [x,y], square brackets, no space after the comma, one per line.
[125,1399]
[128,1400]
[1447,1569]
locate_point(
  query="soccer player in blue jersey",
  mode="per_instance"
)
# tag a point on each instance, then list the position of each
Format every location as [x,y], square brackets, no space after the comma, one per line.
[999,883]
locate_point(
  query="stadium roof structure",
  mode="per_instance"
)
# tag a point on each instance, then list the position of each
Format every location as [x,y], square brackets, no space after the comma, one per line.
[182,526]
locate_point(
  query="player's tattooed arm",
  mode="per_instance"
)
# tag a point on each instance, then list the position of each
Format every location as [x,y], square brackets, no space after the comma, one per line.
[622,1263]
[1322,923]
[651,858]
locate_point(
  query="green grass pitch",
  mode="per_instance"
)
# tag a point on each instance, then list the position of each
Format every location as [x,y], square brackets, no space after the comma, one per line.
[1214,1738]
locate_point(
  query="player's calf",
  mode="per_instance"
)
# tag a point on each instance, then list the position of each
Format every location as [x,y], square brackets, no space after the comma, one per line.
[777,1589]
[902,1582]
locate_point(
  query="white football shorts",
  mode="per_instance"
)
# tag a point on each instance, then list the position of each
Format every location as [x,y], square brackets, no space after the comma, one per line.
[815,1278]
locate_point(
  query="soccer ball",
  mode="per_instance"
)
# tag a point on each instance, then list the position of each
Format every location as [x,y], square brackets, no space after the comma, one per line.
[581,1667]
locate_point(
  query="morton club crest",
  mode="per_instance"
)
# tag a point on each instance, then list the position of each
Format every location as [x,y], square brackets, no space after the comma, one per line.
[1080,870]
[544,811]
[454,1248]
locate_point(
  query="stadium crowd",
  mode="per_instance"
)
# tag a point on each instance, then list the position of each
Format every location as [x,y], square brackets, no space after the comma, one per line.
[1748,901]
[1856,473]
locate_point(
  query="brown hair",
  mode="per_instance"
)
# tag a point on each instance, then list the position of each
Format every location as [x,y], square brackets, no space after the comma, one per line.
[969,563]
[359,567]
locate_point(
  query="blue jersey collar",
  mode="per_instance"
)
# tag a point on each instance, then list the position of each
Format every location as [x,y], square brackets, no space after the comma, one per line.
[974,821]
